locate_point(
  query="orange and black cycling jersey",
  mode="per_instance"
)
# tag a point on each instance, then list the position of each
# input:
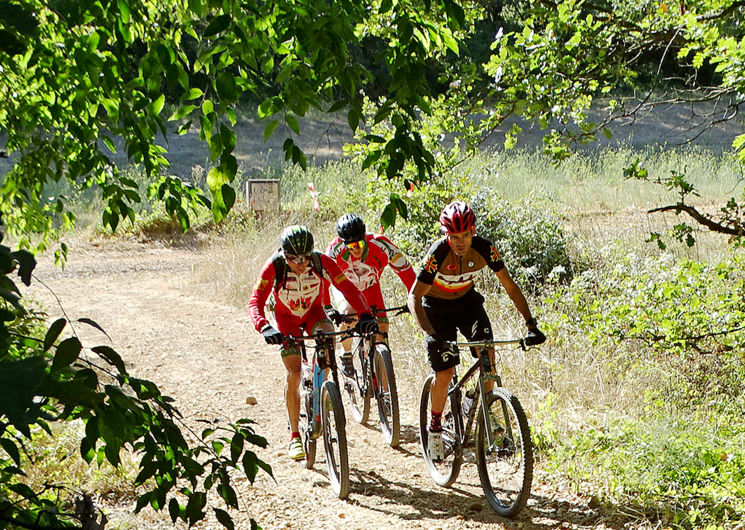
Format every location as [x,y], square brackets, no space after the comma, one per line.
[452,276]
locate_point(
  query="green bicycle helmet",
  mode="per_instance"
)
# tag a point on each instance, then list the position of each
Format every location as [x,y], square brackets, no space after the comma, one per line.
[296,240]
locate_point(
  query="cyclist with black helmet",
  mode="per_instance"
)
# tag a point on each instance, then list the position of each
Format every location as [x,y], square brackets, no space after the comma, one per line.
[296,276]
[362,257]
[443,301]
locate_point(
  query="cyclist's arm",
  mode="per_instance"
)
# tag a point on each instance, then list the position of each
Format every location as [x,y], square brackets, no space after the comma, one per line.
[347,288]
[396,260]
[261,292]
[415,306]
[514,292]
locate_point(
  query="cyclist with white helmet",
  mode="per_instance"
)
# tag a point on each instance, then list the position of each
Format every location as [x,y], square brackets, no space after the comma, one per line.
[444,301]
[296,276]
[363,257]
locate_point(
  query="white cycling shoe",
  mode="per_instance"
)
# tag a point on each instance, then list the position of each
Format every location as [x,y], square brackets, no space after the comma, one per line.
[435,449]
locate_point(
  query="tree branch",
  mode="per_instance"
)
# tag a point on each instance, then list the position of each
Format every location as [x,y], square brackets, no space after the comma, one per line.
[700,218]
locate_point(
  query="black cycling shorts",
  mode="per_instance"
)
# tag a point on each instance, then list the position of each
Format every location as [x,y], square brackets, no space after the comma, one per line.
[465,314]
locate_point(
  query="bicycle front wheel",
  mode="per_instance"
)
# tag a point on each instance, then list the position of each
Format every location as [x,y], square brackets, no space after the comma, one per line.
[335,438]
[386,394]
[307,428]
[358,388]
[445,471]
[506,466]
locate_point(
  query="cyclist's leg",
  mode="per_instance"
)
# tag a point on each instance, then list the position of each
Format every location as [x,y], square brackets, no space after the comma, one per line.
[475,325]
[346,309]
[292,360]
[443,363]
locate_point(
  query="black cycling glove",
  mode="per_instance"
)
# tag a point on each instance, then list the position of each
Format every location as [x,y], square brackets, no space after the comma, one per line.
[271,335]
[534,337]
[367,324]
[333,315]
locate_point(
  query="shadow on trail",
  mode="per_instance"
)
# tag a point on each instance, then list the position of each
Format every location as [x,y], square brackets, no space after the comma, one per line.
[458,504]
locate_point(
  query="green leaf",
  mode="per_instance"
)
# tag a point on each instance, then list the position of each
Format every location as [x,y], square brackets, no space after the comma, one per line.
[12,450]
[250,465]
[174,509]
[269,129]
[111,356]
[92,323]
[216,25]
[158,104]
[388,217]
[124,11]
[292,123]
[236,446]
[228,196]
[53,332]
[67,352]
[224,518]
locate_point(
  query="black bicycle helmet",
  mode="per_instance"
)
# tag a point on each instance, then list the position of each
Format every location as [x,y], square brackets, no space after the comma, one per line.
[457,217]
[296,240]
[350,227]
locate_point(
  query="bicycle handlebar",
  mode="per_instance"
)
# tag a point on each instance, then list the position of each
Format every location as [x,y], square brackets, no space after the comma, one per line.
[487,343]
[320,335]
[395,311]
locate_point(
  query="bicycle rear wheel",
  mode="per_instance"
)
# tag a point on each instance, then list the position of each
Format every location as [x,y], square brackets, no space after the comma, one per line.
[505,467]
[335,438]
[386,395]
[443,472]
[357,388]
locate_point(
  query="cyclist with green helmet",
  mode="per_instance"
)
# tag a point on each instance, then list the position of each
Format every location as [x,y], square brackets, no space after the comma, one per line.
[296,275]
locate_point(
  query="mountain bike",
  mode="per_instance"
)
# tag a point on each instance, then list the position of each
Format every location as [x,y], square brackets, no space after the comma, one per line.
[374,376]
[322,409]
[504,451]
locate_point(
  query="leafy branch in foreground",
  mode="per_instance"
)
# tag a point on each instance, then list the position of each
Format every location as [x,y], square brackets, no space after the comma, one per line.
[729,221]
[45,381]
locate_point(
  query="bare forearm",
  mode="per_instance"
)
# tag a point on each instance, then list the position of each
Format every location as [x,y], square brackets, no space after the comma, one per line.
[416,309]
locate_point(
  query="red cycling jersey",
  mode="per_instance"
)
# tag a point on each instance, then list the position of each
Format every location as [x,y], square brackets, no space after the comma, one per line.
[298,294]
[365,272]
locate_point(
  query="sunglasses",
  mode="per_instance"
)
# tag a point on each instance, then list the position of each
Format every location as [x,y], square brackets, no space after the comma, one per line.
[301,258]
[356,244]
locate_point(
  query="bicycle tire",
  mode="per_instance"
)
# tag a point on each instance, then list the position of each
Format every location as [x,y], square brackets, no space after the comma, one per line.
[308,441]
[358,389]
[443,473]
[335,438]
[505,468]
[386,395]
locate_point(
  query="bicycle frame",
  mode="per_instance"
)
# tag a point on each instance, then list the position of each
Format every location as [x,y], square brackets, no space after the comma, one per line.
[482,365]
[331,365]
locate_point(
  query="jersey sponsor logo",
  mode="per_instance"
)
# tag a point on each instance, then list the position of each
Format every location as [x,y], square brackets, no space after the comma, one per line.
[453,283]
[362,275]
[261,284]
[451,267]
[299,292]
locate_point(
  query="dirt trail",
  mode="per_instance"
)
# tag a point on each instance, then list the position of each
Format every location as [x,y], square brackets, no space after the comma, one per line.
[209,358]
